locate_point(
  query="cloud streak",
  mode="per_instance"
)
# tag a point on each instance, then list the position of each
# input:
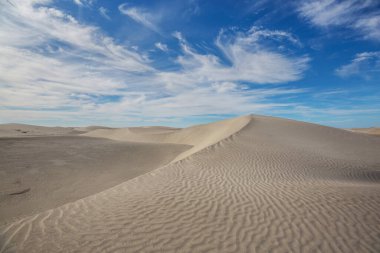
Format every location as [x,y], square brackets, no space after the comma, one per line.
[140,16]
[252,56]
[364,64]
[361,16]
[161,46]
[104,13]
[84,2]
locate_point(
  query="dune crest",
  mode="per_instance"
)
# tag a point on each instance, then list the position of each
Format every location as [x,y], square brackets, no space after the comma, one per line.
[200,136]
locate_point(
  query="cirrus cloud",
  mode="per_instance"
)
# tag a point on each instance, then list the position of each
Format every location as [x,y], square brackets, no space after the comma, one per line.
[140,16]
[364,64]
[361,16]
[52,64]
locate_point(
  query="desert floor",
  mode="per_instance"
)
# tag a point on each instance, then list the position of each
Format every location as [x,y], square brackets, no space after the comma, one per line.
[249,184]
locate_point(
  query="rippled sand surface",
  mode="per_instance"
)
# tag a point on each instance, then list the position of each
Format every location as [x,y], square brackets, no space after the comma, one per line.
[250,184]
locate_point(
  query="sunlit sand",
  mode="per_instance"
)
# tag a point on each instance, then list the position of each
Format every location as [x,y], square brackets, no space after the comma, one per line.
[249,184]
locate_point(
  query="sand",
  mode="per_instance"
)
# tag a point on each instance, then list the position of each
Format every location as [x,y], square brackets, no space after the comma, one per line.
[250,184]
[199,137]
[371,130]
[23,130]
[55,170]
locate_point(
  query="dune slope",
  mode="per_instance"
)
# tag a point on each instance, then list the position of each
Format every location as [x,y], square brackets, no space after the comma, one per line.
[199,136]
[40,173]
[273,186]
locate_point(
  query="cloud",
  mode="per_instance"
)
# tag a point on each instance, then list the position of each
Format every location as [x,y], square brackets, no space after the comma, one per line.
[78,2]
[253,56]
[48,58]
[84,2]
[222,87]
[161,46]
[104,13]
[140,16]
[364,64]
[55,68]
[370,26]
[362,16]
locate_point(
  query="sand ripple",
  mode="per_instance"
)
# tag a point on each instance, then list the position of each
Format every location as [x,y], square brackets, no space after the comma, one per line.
[274,186]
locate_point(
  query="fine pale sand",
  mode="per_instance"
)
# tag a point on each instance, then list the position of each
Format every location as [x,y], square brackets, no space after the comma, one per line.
[250,184]
[22,130]
[55,170]
[371,130]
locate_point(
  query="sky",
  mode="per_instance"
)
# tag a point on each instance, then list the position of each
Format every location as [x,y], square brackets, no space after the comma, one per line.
[184,62]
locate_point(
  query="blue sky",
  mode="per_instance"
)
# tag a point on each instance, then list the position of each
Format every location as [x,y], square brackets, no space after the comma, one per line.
[178,63]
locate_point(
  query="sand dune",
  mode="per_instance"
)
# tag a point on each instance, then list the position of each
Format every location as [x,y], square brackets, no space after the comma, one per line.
[371,130]
[56,170]
[199,137]
[22,130]
[251,184]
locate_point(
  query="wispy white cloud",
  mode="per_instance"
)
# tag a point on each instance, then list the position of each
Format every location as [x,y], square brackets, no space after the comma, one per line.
[362,16]
[47,57]
[250,59]
[364,64]
[78,2]
[140,16]
[104,13]
[222,87]
[370,26]
[54,67]
[84,2]
[161,46]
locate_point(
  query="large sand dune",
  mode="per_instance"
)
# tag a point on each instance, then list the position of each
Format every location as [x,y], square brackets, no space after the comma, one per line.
[251,184]
[198,137]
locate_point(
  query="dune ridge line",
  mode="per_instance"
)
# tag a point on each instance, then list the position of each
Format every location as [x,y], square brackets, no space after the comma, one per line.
[275,185]
[199,136]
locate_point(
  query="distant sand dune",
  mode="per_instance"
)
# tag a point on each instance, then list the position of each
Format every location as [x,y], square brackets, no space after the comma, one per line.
[371,130]
[22,130]
[256,184]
